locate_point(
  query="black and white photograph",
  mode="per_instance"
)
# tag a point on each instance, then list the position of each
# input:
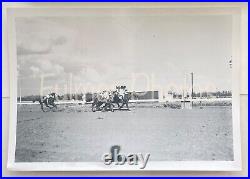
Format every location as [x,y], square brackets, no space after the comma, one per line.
[125,87]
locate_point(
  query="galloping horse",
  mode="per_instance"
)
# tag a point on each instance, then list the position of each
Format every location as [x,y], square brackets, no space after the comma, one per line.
[49,101]
[121,100]
[102,102]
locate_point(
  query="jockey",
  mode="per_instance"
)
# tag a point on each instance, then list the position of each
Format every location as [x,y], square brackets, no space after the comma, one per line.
[121,92]
[125,92]
[105,95]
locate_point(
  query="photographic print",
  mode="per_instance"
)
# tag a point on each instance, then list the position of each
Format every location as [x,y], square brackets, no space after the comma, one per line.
[124,87]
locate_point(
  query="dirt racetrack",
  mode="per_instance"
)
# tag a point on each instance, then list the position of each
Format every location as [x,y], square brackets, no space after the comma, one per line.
[76,134]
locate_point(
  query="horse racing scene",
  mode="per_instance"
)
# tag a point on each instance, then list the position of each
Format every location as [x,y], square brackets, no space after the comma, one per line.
[155,85]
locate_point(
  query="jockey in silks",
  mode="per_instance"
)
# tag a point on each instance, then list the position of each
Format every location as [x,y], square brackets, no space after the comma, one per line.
[121,92]
[105,96]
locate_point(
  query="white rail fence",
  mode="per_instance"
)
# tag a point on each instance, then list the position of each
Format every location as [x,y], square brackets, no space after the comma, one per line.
[138,101]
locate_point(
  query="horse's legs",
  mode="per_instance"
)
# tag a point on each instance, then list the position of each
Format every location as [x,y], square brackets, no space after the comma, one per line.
[107,106]
[54,105]
[41,105]
[122,104]
[127,104]
[94,106]
[104,107]
[99,104]
[45,102]
[50,106]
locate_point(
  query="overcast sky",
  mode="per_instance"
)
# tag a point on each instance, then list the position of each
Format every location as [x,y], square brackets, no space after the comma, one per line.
[93,53]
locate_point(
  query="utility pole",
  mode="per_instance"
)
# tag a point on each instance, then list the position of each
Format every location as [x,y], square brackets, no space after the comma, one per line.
[20,97]
[192,83]
[230,62]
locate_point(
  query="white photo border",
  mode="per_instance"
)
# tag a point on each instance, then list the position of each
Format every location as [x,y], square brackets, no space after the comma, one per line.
[235,165]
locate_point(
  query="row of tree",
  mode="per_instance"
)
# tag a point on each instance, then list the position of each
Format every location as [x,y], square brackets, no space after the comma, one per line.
[218,94]
[134,95]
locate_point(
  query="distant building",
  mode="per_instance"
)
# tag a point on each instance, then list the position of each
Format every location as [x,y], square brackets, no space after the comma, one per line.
[145,95]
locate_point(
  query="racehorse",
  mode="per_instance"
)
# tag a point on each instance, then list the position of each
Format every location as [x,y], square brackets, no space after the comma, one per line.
[101,102]
[48,101]
[121,100]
